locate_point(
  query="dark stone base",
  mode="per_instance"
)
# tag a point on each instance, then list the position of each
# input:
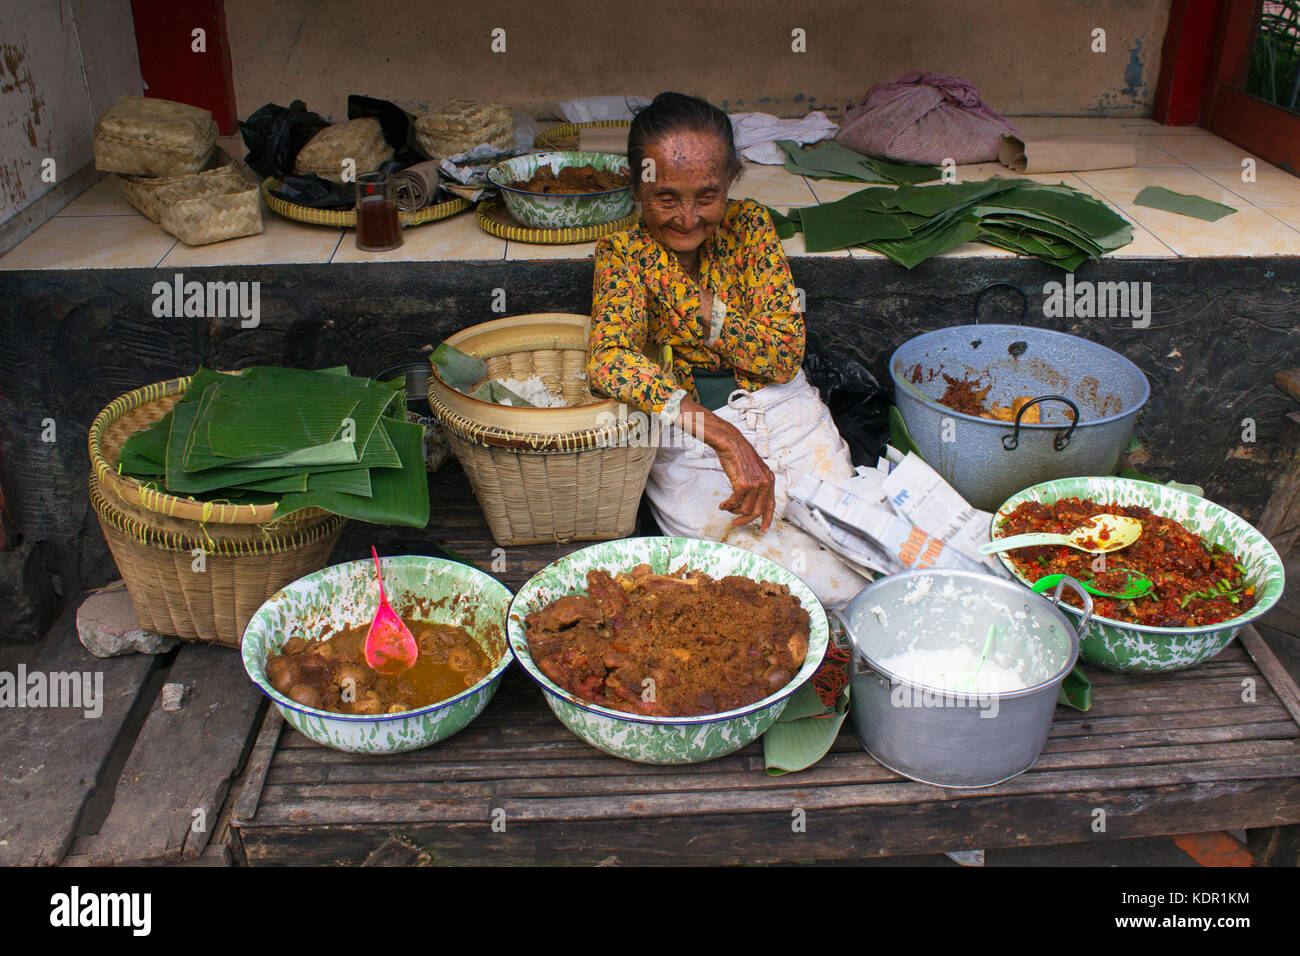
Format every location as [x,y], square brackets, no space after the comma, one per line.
[72,341]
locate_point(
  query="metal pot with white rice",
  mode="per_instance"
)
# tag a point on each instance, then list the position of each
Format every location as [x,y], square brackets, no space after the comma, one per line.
[955,674]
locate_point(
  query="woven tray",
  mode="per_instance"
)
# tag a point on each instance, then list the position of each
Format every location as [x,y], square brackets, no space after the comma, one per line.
[565,136]
[347,218]
[494,218]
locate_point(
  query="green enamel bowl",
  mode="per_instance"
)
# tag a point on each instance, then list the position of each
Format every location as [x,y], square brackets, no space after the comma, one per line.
[661,740]
[347,595]
[559,210]
[1140,648]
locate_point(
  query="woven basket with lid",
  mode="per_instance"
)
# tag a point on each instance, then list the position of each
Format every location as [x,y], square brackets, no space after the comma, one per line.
[247,553]
[141,136]
[457,125]
[545,475]
[360,140]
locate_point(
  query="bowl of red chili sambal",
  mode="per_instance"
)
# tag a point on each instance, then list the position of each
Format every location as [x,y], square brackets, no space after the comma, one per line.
[1211,571]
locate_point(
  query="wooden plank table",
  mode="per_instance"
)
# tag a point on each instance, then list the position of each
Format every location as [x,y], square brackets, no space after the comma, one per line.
[1211,748]
[1178,753]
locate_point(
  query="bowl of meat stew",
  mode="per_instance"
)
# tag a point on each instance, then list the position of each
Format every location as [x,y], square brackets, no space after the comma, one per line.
[567,189]
[301,649]
[1212,572]
[667,650]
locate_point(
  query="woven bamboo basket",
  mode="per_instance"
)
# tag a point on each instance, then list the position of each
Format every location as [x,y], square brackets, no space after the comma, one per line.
[457,125]
[544,475]
[360,140]
[206,587]
[142,136]
[146,193]
[212,216]
[248,553]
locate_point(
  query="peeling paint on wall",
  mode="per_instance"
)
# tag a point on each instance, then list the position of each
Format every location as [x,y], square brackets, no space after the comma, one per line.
[1133,74]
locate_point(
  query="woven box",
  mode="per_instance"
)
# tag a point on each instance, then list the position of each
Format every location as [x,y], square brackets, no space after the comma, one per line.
[361,140]
[149,137]
[143,192]
[226,209]
[458,125]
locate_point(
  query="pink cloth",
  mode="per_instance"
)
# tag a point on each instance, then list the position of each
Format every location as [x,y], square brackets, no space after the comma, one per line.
[925,118]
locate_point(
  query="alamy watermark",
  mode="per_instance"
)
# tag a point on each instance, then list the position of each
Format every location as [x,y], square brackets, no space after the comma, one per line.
[208,300]
[82,691]
[1101,300]
[913,695]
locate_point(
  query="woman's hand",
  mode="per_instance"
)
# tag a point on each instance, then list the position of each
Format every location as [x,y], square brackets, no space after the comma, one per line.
[753,485]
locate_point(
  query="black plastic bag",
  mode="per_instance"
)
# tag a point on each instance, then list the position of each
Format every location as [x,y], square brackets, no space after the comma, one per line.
[275,134]
[316,193]
[396,123]
[856,401]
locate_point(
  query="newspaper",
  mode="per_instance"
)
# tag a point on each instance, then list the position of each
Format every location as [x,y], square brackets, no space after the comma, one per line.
[896,516]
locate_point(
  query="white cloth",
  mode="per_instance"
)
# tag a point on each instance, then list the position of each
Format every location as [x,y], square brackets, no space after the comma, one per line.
[756,134]
[794,434]
[590,109]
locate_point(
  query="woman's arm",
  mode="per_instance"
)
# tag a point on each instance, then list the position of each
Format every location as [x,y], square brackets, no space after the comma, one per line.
[616,365]
[753,485]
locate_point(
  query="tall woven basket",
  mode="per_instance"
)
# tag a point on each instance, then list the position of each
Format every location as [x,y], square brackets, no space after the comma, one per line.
[545,475]
[196,570]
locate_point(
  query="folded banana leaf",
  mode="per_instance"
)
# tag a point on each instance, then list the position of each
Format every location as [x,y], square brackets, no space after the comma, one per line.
[826,227]
[398,495]
[302,409]
[498,394]
[831,160]
[355,482]
[930,242]
[458,369]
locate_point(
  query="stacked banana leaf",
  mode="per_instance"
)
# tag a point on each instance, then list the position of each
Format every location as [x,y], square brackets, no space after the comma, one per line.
[1055,223]
[300,439]
[832,160]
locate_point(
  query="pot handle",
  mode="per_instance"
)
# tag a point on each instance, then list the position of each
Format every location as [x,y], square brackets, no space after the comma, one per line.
[1077,588]
[1024,308]
[855,666]
[1010,442]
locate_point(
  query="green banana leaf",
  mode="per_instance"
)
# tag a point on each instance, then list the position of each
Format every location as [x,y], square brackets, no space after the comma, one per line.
[1157,197]
[832,226]
[831,160]
[932,242]
[498,394]
[458,369]
[398,495]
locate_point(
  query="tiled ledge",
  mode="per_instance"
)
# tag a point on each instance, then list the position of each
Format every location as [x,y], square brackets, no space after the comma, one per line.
[100,230]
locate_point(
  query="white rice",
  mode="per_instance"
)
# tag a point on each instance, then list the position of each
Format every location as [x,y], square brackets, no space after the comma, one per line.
[533,389]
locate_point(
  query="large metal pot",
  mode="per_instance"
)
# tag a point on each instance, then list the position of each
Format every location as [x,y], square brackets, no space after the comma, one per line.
[935,734]
[988,461]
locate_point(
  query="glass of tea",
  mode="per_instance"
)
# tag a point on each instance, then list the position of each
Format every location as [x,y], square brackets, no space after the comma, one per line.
[378,225]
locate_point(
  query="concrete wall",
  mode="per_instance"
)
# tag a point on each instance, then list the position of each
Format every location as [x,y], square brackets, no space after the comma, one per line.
[1027,56]
[62,64]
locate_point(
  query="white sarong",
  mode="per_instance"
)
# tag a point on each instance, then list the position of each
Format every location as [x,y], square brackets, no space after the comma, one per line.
[792,431]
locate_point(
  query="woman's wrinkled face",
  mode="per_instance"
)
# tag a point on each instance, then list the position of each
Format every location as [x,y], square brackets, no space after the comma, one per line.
[687,198]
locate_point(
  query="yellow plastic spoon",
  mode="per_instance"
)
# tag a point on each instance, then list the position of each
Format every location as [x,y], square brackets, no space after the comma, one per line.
[1100,534]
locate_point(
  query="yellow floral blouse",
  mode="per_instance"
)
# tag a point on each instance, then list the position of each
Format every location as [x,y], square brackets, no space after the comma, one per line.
[642,299]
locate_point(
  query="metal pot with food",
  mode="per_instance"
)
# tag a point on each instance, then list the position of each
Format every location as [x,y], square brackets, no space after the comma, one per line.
[955,674]
[997,408]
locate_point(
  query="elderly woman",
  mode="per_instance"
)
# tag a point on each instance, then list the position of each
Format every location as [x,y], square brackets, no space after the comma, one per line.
[695,322]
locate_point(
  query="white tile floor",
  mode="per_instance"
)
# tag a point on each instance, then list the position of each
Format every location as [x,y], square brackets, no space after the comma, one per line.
[100,230]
